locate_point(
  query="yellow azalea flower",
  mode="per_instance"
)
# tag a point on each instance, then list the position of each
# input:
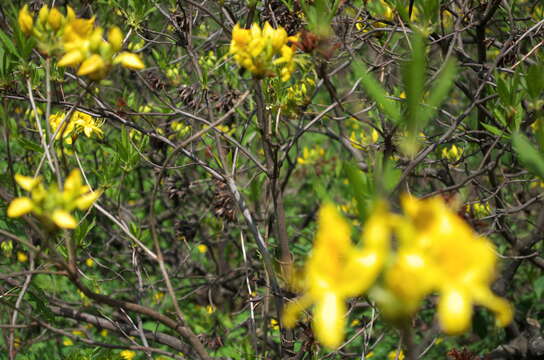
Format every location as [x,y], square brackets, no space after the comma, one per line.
[462,263]
[25,20]
[87,124]
[452,154]
[330,270]
[202,248]
[52,205]
[84,46]
[128,354]
[55,19]
[260,50]
[89,262]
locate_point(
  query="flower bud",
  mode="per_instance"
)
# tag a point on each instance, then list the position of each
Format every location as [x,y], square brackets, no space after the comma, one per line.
[43,14]
[115,37]
[25,20]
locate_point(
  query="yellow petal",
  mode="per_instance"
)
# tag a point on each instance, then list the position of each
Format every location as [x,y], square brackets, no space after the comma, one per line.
[94,63]
[20,206]
[115,37]
[329,320]
[25,20]
[72,58]
[73,181]
[85,201]
[27,182]
[454,311]
[63,219]
[293,309]
[502,309]
[129,60]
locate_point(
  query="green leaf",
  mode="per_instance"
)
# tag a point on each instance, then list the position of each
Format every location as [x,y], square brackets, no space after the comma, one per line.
[8,44]
[361,188]
[493,129]
[376,91]
[530,157]
[413,75]
[439,91]
[538,286]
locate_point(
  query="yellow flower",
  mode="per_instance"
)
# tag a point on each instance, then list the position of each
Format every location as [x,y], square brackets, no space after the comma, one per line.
[462,263]
[452,154]
[329,272]
[25,20]
[128,354]
[274,324]
[395,354]
[210,309]
[260,50]
[158,296]
[89,262]
[103,332]
[22,257]
[52,205]
[202,248]
[311,156]
[67,342]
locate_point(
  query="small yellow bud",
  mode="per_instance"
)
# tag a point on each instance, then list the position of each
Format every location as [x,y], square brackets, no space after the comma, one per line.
[55,19]
[25,20]
[129,60]
[20,206]
[43,14]
[115,37]
[72,58]
[63,219]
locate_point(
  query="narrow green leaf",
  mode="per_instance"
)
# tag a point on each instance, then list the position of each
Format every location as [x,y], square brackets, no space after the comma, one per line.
[8,44]
[376,91]
[530,157]
[413,75]
[440,90]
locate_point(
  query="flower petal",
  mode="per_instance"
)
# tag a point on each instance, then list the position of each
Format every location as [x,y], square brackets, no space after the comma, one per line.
[455,311]
[27,182]
[329,320]
[129,60]
[63,219]
[20,206]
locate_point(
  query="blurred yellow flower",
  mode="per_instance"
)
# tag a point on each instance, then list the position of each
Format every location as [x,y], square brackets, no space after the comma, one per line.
[202,248]
[452,154]
[25,20]
[128,354]
[22,257]
[395,355]
[329,272]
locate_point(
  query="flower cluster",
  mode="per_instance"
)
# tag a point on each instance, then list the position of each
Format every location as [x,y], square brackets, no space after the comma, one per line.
[261,51]
[311,156]
[452,154]
[79,41]
[77,124]
[53,206]
[437,252]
